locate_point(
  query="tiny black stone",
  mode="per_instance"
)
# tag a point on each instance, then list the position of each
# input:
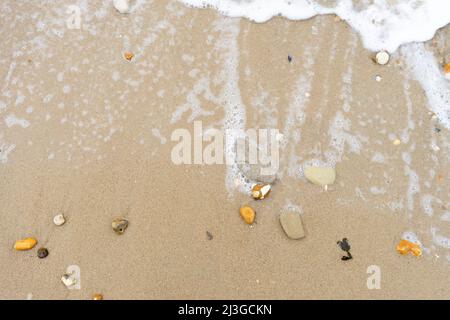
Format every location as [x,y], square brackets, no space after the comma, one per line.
[42,253]
[289,58]
[209,235]
[437,129]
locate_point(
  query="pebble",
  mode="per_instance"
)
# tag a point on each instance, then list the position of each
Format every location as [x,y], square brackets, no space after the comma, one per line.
[260,191]
[68,280]
[119,225]
[378,78]
[42,253]
[382,57]
[59,220]
[128,55]
[209,235]
[248,214]
[447,71]
[97,296]
[25,244]
[396,142]
[404,247]
[291,222]
[123,6]
[320,175]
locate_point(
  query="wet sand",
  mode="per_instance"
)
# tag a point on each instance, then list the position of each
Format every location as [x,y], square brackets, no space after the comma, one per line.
[98,147]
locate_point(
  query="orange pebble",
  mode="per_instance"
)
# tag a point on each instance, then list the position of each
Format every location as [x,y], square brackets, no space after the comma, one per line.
[97,296]
[248,214]
[128,56]
[404,247]
[447,68]
[25,244]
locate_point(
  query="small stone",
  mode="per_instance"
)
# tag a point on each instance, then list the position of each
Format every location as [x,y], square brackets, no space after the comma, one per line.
[289,58]
[59,220]
[382,57]
[320,175]
[68,280]
[42,253]
[209,235]
[128,55]
[25,244]
[248,214]
[119,225]
[260,191]
[396,142]
[447,71]
[97,296]
[123,6]
[404,247]
[291,222]
[378,78]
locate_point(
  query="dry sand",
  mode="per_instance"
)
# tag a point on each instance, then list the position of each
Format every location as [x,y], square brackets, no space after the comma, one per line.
[93,154]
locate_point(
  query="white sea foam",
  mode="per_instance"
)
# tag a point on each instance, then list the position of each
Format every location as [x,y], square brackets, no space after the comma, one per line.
[382,24]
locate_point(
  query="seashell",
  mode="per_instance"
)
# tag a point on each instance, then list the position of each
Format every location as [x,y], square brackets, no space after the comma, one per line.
[119,225]
[260,191]
[42,253]
[382,57]
[97,296]
[248,214]
[68,280]
[59,220]
[25,244]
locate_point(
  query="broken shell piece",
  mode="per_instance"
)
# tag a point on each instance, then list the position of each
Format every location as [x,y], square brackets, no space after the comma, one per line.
[97,296]
[260,191]
[248,214]
[447,71]
[404,247]
[119,225]
[382,57]
[25,244]
[396,142]
[68,280]
[320,175]
[128,56]
[59,220]
[291,222]
[123,6]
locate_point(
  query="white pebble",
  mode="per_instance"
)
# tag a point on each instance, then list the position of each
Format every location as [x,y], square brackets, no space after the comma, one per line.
[59,220]
[123,6]
[382,57]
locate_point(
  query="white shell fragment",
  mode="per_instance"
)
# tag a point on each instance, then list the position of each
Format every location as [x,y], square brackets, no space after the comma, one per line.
[59,220]
[260,191]
[382,57]
[320,175]
[68,280]
[123,6]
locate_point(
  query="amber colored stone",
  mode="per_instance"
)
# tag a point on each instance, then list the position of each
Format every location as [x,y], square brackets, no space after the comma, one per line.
[248,214]
[404,247]
[25,244]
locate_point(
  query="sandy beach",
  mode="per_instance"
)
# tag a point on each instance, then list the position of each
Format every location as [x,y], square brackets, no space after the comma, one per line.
[87,133]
